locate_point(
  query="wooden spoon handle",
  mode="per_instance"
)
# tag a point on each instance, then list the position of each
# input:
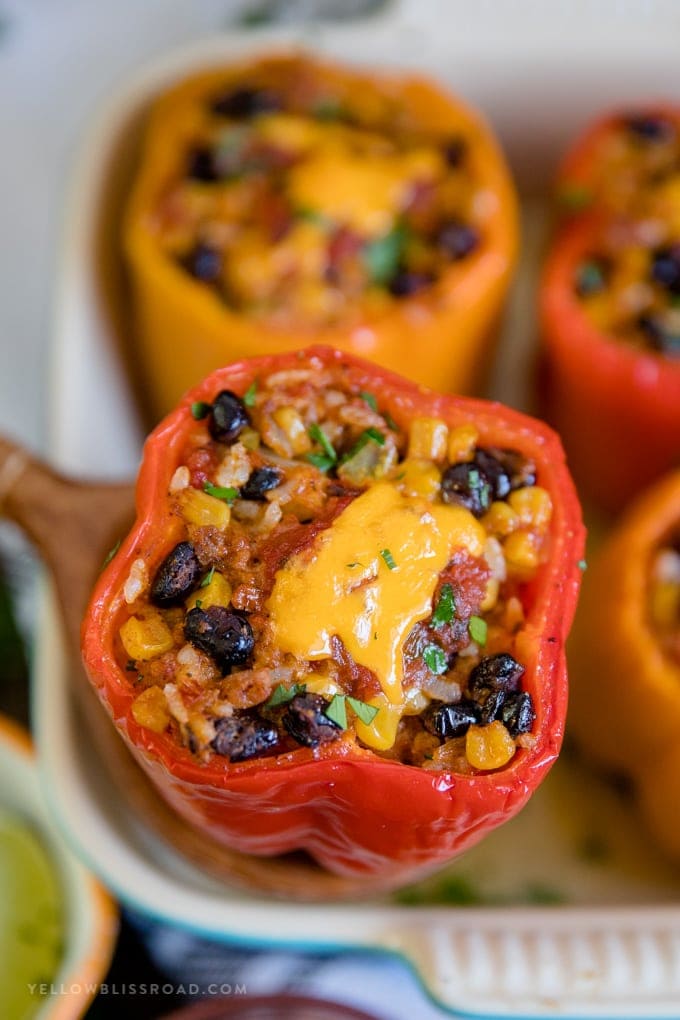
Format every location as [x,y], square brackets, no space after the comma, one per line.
[71,524]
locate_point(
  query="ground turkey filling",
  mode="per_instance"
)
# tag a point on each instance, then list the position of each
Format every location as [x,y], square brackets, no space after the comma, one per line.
[293,200]
[260,478]
[630,283]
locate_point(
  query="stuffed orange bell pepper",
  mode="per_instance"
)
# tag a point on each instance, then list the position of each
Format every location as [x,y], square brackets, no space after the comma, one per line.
[610,307]
[285,200]
[625,656]
[338,622]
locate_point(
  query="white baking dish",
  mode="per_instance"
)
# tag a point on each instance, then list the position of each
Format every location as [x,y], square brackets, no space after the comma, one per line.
[613,948]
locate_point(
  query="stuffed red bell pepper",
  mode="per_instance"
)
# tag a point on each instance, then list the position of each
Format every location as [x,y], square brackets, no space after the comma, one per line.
[610,306]
[338,622]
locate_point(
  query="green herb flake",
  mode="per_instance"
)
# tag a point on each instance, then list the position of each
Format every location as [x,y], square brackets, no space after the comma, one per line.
[226,493]
[478,629]
[370,399]
[200,410]
[208,578]
[337,711]
[369,435]
[317,434]
[198,603]
[328,109]
[111,553]
[249,395]
[282,695]
[311,216]
[363,711]
[351,566]
[382,256]
[434,658]
[582,565]
[445,609]
[388,558]
[390,422]
[320,461]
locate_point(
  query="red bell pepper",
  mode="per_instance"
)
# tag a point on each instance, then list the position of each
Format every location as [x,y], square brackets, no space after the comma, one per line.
[613,397]
[616,407]
[355,812]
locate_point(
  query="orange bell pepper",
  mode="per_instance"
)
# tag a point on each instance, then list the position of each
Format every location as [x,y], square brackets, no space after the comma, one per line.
[609,306]
[440,336]
[625,683]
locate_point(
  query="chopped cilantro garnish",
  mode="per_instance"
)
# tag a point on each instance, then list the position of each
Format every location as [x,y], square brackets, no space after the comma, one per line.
[478,629]
[282,695]
[319,436]
[225,492]
[390,422]
[582,565]
[370,399]
[208,578]
[200,410]
[388,558]
[111,553]
[382,256]
[337,711]
[367,436]
[365,712]
[312,216]
[249,395]
[321,461]
[445,609]
[328,109]
[434,658]
[198,603]
[350,566]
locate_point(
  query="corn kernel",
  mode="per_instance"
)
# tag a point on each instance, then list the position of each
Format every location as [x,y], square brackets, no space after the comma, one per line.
[145,638]
[150,709]
[533,506]
[203,510]
[250,438]
[418,478]
[462,443]
[665,603]
[489,747]
[428,439]
[217,592]
[291,423]
[491,595]
[521,552]
[500,520]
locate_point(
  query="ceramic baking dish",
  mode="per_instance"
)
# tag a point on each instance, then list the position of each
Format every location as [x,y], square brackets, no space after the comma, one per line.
[606,940]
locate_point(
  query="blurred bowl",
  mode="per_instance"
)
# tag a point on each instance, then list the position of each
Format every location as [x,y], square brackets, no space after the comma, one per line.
[89,918]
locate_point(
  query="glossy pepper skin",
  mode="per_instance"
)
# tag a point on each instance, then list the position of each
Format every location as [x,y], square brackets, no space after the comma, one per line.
[616,408]
[625,692]
[354,812]
[444,336]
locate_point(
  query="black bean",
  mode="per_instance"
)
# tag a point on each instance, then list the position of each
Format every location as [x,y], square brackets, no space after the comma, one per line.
[228,417]
[495,673]
[493,707]
[201,165]
[404,283]
[467,486]
[659,338]
[222,633]
[454,151]
[177,576]
[666,268]
[451,720]
[457,239]
[306,721]
[204,263]
[239,737]
[520,470]
[240,104]
[649,128]
[493,470]
[517,713]
[262,479]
